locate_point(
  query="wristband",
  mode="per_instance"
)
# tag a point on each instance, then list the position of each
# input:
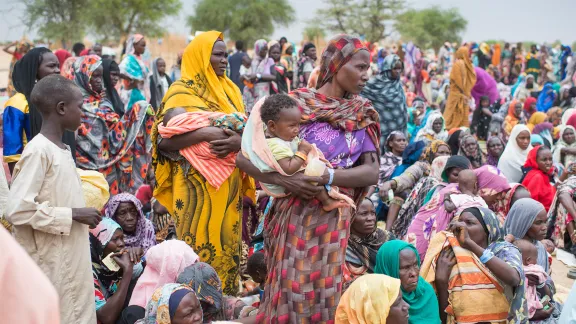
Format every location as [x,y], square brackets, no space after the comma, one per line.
[328,185]
[540,286]
[301,155]
[487,255]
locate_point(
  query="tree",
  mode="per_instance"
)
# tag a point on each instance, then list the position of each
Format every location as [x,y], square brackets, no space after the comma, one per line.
[246,20]
[431,27]
[366,18]
[116,19]
[314,33]
[58,20]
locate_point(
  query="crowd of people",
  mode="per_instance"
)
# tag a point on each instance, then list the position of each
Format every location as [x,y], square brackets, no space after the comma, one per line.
[378,184]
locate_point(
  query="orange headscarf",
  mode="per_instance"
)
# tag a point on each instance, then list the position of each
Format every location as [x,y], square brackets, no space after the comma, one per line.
[496,55]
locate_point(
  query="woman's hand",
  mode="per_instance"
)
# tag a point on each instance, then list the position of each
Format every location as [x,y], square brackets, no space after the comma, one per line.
[384,188]
[301,185]
[135,254]
[446,260]
[123,260]
[223,147]
[461,232]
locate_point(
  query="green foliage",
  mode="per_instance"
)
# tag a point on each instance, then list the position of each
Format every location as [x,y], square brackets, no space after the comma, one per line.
[116,19]
[58,20]
[366,18]
[246,20]
[313,32]
[431,27]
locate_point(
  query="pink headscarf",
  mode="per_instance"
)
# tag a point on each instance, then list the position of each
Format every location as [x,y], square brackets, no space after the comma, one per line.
[164,262]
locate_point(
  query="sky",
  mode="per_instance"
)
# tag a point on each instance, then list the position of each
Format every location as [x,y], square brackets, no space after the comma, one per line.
[511,20]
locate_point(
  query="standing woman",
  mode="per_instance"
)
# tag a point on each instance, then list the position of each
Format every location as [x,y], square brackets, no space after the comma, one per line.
[260,75]
[344,126]
[134,72]
[111,77]
[206,218]
[21,120]
[462,80]
[306,64]
[115,146]
[387,95]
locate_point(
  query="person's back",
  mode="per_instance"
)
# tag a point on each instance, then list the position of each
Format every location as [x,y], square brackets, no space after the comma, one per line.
[235,62]
[47,221]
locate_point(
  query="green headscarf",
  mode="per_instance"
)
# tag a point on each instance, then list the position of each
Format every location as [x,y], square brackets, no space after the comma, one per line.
[423,302]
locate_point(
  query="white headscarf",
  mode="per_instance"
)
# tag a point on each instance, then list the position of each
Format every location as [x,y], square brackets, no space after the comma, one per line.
[513,157]
[427,129]
[556,153]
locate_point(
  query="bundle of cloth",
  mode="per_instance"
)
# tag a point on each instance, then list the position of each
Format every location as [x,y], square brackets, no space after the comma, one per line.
[214,169]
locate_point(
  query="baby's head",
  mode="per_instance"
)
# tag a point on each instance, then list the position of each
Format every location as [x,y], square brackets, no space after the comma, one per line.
[468,182]
[256,267]
[281,115]
[246,61]
[549,245]
[528,250]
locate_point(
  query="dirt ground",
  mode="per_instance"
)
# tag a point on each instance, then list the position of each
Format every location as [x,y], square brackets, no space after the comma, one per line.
[562,282]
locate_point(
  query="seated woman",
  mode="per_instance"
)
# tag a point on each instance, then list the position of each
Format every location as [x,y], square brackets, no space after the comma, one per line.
[116,145]
[164,262]
[111,286]
[373,298]
[173,304]
[494,147]
[433,217]
[561,215]
[539,170]
[204,280]
[434,129]
[470,148]
[400,260]
[564,151]
[126,209]
[444,171]
[484,272]
[363,244]
[527,220]
[515,153]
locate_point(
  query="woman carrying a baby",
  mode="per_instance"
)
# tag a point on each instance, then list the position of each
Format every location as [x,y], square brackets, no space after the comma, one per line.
[305,241]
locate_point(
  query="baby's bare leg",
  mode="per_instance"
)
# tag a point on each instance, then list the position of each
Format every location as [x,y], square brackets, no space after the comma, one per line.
[328,203]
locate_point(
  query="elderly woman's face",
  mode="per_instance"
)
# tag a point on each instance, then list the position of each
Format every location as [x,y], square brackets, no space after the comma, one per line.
[409,270]
[443,150]
[475,229]
[218,59]
[495,147]
[352,77]
[188,311]
[364,222]
[127,216]
[470,146]
[437,125]
[538,229]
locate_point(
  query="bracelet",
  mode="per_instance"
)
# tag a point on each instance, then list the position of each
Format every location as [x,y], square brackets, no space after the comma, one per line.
[301,155]
[328,185]
[487,255]
[540,286]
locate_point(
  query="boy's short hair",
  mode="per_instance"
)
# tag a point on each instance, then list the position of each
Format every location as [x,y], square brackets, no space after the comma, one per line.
[51,90]
[272,106]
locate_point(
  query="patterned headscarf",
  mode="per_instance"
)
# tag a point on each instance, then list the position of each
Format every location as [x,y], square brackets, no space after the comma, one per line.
[338,52]
[204,280]
[259,45]
[105,230]
[433,149]
[477,159]
[158,310]
[132,39]
[99,237]
[84,67]
[144,235]
[489,222]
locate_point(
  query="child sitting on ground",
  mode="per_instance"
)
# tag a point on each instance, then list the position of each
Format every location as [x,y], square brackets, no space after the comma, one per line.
[281,118]
[468,186]
[537,308]
[256,269]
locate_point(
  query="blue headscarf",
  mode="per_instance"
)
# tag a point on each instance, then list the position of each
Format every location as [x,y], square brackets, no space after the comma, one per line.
[546,98]
[521,79]
[411,154]
[535,138]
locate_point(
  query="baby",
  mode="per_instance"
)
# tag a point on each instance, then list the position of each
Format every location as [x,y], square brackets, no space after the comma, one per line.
[468,186]
[539,277]
[281,117]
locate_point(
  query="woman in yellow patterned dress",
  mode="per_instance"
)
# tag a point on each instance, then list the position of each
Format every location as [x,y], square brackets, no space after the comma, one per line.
[206,218]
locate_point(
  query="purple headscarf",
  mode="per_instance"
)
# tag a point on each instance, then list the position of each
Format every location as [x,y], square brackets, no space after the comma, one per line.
[485,86]
[144,236]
